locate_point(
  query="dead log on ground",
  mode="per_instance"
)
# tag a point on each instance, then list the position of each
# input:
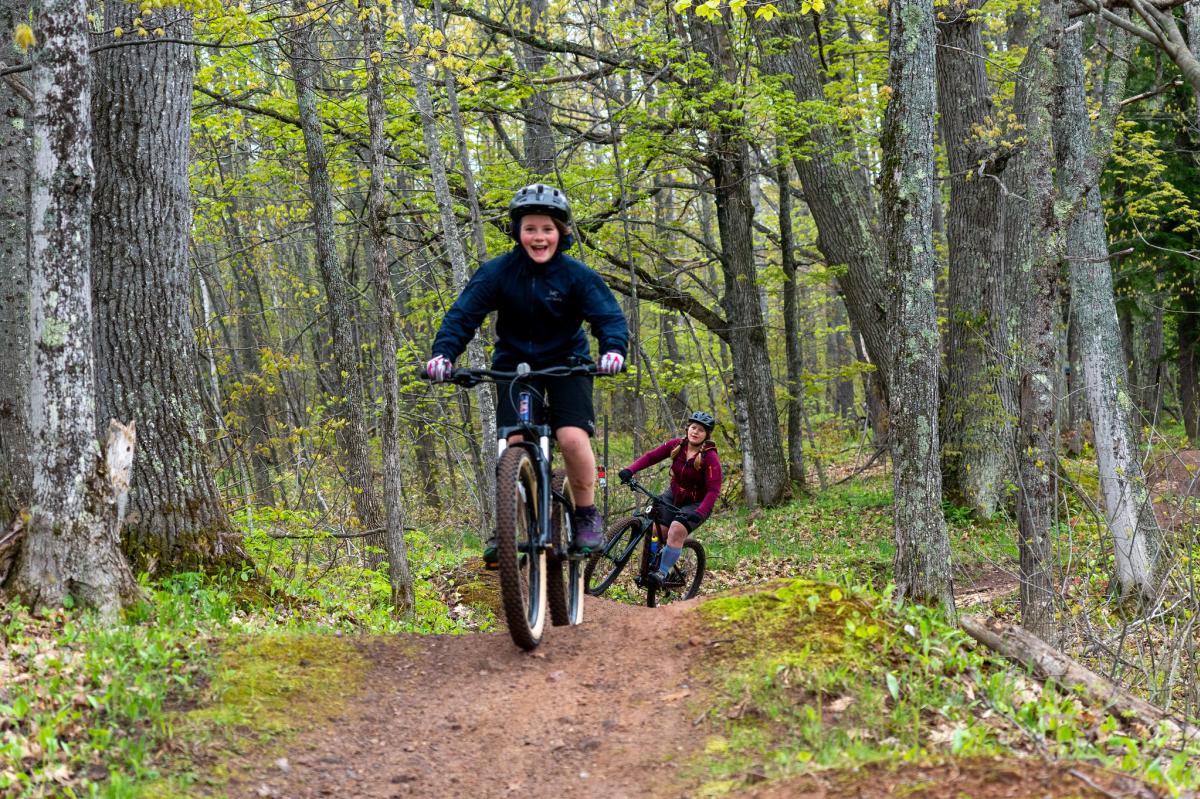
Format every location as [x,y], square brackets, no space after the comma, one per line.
[1047,663]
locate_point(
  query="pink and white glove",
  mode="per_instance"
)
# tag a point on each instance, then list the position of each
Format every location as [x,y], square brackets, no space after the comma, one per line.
[439,368]
[610,363]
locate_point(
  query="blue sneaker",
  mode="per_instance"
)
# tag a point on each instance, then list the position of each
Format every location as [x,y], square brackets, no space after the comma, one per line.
[589,533]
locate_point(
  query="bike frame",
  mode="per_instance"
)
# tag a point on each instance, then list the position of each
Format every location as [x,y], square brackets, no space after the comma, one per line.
[536,437]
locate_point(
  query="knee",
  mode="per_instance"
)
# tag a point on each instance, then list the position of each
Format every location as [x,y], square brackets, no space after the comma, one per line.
[573,441]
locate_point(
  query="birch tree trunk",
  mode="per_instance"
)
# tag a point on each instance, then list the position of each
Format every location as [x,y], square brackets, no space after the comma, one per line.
[145,345]
[1132,524]
[350,398]
[399,574]
[72,542]
[977,434]
[922,561]
[15,154]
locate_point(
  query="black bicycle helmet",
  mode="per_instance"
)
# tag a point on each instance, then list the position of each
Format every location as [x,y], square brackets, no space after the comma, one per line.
[704,419]
[538,198]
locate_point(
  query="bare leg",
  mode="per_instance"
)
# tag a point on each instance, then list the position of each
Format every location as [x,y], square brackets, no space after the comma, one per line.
[576,446]
[676,535]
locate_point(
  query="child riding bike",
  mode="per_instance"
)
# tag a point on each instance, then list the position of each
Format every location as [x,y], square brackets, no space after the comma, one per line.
[695,485]
[542,297]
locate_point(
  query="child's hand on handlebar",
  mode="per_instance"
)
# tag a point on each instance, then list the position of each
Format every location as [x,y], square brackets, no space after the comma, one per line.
[439,368]
[610,363]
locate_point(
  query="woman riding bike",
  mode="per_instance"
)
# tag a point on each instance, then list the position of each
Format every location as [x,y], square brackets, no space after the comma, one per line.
[695,485]
[542,297]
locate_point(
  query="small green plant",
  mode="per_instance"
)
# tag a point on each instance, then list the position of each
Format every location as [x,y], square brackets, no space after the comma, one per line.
[827,674]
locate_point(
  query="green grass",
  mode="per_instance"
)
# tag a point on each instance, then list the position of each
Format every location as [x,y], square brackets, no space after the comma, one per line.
[826,675]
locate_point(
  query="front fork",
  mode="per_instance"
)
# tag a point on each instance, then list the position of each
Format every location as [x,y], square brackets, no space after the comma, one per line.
[542,468]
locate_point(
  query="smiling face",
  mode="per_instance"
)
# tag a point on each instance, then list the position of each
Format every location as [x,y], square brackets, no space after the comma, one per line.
[539,237]
[696,433]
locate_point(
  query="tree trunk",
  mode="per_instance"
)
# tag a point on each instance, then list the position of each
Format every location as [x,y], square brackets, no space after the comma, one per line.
[399,574]
[1076,393]
[350,394]
[15,155]
[976,432]
[1131,520]
[458,257]
[539,136]
[1136,537]
[831,190]
[145,345]
[1033,243]
[1188,339]
[840,355]
[791,334]
[922,561]
[72,544]
[728,161]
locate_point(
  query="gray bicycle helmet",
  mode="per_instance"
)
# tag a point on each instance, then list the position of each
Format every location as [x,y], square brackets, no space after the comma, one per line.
[704,419]
[538,198]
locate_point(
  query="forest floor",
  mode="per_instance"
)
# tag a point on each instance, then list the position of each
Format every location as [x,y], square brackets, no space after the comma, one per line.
[616,707]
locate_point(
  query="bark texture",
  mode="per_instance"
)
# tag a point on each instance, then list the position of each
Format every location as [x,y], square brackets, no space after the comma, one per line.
[728,162]
[15,154]
[350,396]
[976,432]
[1033,247]
[399,573]
[146,355]
[922,561]
[69,549]
[831,191]
[1130,516]
[539,136]
[791,334]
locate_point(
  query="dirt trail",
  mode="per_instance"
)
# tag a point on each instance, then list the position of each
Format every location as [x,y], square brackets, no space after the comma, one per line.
[605,709]
[602,709]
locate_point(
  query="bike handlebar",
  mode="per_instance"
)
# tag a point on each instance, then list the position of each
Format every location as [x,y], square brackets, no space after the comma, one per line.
[473,377]
[637,487]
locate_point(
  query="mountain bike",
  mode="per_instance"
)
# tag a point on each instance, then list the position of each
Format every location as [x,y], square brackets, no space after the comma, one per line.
[605,569]
[534,507]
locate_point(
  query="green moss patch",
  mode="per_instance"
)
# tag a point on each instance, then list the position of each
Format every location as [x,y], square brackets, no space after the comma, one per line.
[250,711]
[814,675]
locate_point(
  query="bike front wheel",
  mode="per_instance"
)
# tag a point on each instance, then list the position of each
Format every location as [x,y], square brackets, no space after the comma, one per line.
[683,581]
[564,578]
[522,562]
[605,567]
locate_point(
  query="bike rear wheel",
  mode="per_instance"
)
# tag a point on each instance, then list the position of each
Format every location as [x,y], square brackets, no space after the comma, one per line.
[565,598]
[683,581]
[522,562]
[606,566]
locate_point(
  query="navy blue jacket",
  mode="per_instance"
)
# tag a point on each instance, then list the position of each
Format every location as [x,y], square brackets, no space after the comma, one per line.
[540,312]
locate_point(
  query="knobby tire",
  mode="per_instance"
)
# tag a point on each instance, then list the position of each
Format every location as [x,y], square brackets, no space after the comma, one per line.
[605,566]
[564,576]
[522,563]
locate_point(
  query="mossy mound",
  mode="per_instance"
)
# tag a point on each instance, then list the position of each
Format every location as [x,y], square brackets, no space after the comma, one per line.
[265,689]
[814,676]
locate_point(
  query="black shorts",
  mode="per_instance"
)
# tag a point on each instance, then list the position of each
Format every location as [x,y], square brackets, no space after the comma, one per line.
[666,515]
[569,399]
